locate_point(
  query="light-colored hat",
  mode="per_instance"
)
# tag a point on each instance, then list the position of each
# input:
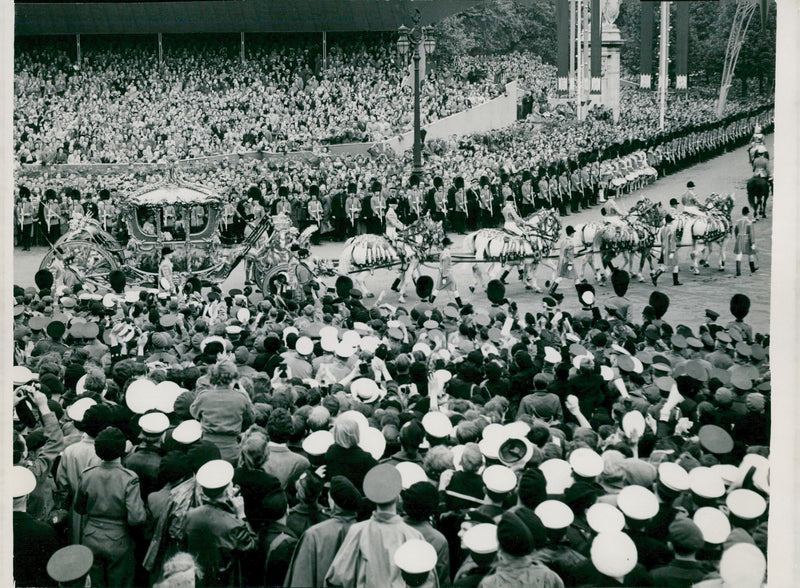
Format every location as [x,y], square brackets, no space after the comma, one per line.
[481,539]
[22,375]
[215,474]
[365,390]
[318,442]
[746,504]
[551,355]
[154,423]
[436,424]
[706,483]
[633,423]
[141,396]
[411,473]
[673,476]
[77,409]
[558,474]
[713,523]
[554,514]
[743,566]
[344,350]
[499,479]
[304,346]
[23,482]
[614,554]
[586,462]
[187,432]
[415,556]
[605,518]
[637,502]
[373,442]
[167,393]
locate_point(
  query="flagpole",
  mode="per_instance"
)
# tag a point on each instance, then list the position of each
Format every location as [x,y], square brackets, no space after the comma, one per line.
[663,73]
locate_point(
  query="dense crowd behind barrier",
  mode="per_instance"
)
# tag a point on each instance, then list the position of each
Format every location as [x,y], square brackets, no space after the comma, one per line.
[238,439]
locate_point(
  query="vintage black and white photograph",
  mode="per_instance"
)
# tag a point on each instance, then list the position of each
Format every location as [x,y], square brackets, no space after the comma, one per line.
[408,293]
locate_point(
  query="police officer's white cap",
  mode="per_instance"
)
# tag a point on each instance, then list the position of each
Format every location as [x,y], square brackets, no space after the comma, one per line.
[673,476]
[586,462]
[415,556]
[23,482]
[554,514]
[215,474]
[605,518]
[713,523]
[154,423]
[614,554]
[481,539]
[499,479]
[637,502]
[746,504]
[187,432]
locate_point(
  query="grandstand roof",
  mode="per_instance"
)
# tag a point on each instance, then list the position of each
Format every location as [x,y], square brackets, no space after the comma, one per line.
[225,16]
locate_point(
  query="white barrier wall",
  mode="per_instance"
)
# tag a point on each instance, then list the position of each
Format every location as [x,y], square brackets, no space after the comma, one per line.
[494,114]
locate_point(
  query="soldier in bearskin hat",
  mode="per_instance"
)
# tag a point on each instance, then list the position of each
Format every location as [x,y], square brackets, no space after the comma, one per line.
[740,308]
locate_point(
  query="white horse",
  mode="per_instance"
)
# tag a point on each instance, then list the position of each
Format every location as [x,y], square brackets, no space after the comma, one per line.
[504,249]
[366,253]
[709,228]
[626,236]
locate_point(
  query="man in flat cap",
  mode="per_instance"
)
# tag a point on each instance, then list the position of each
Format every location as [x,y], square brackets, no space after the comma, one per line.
[366,556]
[685,540]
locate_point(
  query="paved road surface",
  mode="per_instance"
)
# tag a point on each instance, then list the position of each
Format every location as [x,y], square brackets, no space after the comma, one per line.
[711,289]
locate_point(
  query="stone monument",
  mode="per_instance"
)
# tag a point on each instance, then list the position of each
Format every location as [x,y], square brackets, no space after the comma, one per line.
[612,44]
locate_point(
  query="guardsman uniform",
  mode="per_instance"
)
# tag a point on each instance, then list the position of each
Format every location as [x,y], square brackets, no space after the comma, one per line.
[564,191]
[457,206]
[353,209]
[486,202]
[416,204]
[527,205]
[25,220]
[315,216]
[473,205]
[51,219]
[378,208]
[745,244]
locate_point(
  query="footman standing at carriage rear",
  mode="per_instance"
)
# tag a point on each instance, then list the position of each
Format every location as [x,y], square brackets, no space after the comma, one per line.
[445,281]
[744,231]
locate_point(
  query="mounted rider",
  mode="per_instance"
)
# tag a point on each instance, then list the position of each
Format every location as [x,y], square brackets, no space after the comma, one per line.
[513,221]
[691,205]
[394,225]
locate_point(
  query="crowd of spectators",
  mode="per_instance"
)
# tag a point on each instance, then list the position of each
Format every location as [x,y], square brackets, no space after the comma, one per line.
[205,101]
[227,438]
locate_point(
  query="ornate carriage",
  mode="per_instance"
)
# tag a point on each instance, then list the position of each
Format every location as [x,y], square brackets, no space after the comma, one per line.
[186,218]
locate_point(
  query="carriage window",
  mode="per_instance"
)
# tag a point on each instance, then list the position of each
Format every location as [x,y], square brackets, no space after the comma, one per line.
[198,216]
[146,219]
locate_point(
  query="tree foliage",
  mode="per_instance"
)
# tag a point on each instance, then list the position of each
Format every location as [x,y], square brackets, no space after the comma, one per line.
[500,26]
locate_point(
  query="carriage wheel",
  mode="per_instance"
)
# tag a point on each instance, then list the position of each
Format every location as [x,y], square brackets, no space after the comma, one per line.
[90,262]
[275,279]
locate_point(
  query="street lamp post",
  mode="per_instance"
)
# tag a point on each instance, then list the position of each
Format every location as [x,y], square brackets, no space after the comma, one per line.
[413,39]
